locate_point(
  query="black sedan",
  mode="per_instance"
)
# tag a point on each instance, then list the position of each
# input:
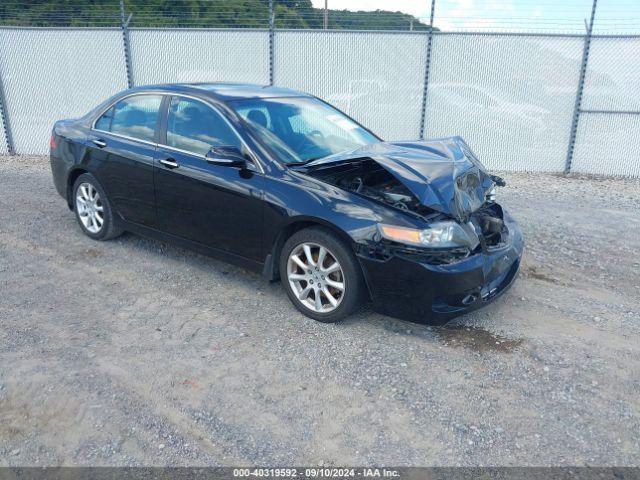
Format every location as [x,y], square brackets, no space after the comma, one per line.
[281,182]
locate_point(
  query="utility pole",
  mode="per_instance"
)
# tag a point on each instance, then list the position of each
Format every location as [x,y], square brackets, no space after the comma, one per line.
[124,26]
[425,90]
[326,14]
[5,121]
[271,45]
[578,103]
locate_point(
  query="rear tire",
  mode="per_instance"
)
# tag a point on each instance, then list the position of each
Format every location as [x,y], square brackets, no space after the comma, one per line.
[93,210]
[324,280]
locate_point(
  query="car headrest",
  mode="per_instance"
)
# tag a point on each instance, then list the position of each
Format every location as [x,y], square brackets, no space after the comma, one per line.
[256,116]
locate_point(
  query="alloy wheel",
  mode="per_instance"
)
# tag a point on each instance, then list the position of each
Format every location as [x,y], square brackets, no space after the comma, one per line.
[90,208]
[316,277]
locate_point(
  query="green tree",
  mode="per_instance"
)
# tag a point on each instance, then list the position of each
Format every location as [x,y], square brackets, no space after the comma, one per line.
[197,13]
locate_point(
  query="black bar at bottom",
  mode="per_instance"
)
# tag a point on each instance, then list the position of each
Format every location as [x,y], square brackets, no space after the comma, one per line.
[397,473]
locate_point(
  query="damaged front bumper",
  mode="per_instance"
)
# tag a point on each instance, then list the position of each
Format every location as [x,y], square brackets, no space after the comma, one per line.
[412,289]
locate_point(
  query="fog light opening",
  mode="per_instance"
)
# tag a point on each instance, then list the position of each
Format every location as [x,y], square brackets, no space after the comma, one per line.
[469,299]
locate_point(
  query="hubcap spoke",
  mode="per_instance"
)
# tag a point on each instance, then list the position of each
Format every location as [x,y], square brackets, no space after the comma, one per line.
[322,254]
[332,268]
[307,254]
[334,284]
[89,207]
[306,275]
[330,297]
[304,294]
[299,262]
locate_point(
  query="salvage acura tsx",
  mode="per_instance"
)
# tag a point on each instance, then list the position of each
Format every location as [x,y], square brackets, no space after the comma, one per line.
[283,183]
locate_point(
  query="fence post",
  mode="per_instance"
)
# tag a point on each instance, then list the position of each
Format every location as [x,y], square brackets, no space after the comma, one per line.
[578,103]
[271,46]
[423,111]
[124,25]
[6,127]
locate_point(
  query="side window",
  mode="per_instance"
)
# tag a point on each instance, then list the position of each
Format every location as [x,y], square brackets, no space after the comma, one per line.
[196,127]
[134,117]
[104,122]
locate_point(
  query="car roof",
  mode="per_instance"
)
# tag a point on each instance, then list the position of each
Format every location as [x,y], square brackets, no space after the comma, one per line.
[226,91]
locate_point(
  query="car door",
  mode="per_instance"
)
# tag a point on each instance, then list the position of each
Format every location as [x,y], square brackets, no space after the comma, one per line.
[214,205]
[123,146]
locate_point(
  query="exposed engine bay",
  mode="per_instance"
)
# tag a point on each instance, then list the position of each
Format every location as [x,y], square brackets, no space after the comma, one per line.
[368,178]
[489,222]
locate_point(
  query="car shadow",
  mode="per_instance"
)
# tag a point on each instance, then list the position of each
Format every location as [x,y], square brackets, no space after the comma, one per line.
[462,332]
[459,333]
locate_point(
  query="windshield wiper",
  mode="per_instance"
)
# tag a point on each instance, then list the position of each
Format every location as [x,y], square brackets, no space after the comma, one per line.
[304,162]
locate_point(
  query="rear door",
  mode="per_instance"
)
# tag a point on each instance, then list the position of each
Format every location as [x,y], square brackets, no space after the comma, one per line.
[217,206]
[123,141]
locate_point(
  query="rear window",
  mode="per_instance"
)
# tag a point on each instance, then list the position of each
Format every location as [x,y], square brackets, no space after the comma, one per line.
[134,117]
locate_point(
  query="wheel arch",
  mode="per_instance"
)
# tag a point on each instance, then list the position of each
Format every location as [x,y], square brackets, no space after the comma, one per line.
[71,179]
[272,262]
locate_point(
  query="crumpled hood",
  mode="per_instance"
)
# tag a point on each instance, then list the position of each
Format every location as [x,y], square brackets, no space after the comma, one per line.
[443,174]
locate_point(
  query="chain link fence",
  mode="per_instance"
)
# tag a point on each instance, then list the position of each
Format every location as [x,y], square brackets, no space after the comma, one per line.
[49,74]
[511,96]
[375,77]
[609,124]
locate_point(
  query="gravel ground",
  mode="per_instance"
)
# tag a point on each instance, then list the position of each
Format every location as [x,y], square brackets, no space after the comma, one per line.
[133,352]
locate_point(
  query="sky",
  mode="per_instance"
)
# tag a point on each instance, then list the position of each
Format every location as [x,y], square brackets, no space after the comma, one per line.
[567,16]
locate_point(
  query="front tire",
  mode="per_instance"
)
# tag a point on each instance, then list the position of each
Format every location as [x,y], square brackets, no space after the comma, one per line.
[93,209]
[321,275]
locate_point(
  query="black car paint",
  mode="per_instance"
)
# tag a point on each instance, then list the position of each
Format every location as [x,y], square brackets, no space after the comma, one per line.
[244,215]
[126,171]
[223,206]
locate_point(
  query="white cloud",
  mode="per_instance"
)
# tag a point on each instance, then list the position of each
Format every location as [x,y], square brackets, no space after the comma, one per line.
[449,15]
[501,15]
[474,15]
[417,8]
[452,14]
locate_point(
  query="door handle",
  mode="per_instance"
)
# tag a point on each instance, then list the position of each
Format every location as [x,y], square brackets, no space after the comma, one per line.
[100,143]
[169,163]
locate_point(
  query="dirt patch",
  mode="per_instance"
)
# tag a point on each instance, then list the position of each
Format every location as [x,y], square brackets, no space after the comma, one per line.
[87,254]
[533,272]
[476,339]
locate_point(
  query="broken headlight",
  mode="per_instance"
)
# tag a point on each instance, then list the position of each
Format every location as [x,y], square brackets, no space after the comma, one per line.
[437,235]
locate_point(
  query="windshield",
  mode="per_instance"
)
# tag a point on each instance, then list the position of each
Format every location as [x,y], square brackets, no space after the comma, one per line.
[301,129]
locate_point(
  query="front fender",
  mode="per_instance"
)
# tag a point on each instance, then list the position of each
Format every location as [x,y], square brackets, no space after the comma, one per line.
[295,201]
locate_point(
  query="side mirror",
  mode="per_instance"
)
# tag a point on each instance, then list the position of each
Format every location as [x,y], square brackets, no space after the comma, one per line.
[228,156]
